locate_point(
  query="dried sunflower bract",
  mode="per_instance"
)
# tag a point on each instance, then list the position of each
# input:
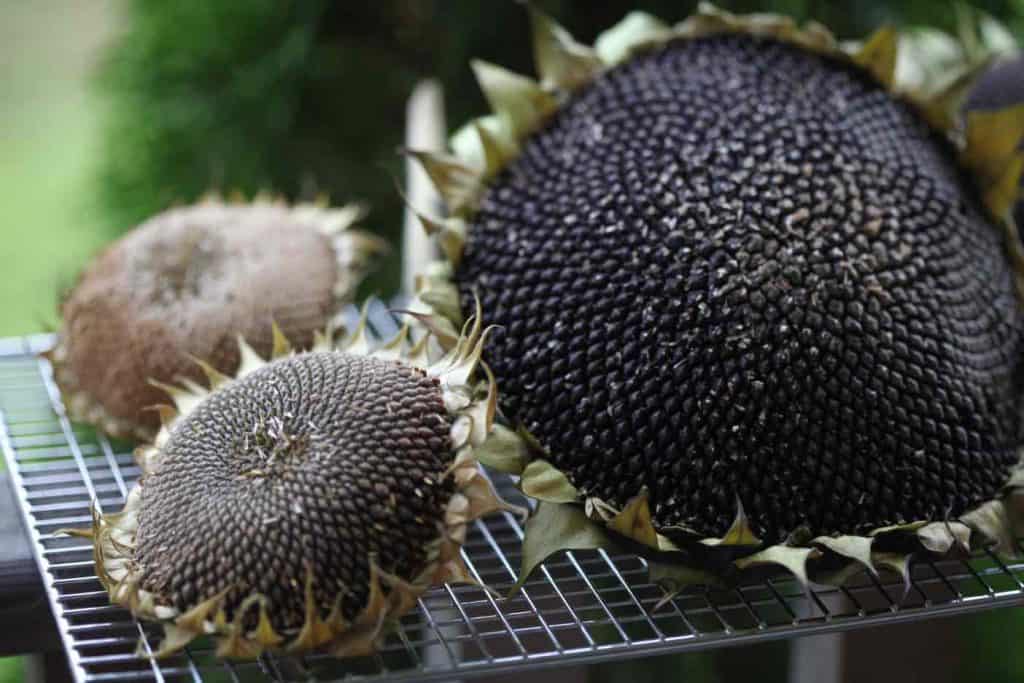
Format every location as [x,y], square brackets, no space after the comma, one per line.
[999,87]
[307,502]
[758,301]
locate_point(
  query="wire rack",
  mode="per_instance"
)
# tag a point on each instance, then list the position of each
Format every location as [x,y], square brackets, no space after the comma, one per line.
[581,607]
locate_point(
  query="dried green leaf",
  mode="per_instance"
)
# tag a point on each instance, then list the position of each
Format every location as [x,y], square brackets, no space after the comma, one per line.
[185,401]
[897,528]
[792,559]
[282,347]
[452,239]
[857,548]
[561,62]
[1001,196]
[458,184]
[250,360]
[739,534]
[941,537]
[442,298]
[896,562]
[555,527]
[543,481]
[992,522]
[993,137]
[636,28]
[634,521]
[942,107]
[485,143]
[503,451]
[878,55]
[516,99]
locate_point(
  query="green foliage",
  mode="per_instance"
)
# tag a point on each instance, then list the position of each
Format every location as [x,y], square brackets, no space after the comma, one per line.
[48,144]
[49,226]
[980,634]
[293,97]
[247,96]
[12,670]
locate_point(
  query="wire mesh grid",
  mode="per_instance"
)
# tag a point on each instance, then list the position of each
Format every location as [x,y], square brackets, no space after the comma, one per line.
[580,607]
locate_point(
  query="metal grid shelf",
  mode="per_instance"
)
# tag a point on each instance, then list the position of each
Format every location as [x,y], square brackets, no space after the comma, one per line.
[582,607]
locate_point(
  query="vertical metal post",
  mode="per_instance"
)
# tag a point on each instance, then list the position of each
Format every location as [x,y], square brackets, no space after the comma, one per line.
[425,129]
[818,659]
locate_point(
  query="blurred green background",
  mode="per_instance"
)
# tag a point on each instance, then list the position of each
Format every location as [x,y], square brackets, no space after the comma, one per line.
[111,111]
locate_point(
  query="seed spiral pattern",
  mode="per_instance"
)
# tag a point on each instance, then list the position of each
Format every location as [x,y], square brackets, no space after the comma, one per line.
[309,464]
[729,269]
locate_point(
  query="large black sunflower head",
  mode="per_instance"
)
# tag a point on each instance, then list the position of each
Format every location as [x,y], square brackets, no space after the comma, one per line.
[759,303]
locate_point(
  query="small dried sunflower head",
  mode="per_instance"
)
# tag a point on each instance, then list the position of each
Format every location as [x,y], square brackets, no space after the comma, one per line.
[307,502]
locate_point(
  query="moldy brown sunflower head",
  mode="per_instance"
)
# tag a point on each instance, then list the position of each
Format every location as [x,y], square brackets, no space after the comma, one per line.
[184,284]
